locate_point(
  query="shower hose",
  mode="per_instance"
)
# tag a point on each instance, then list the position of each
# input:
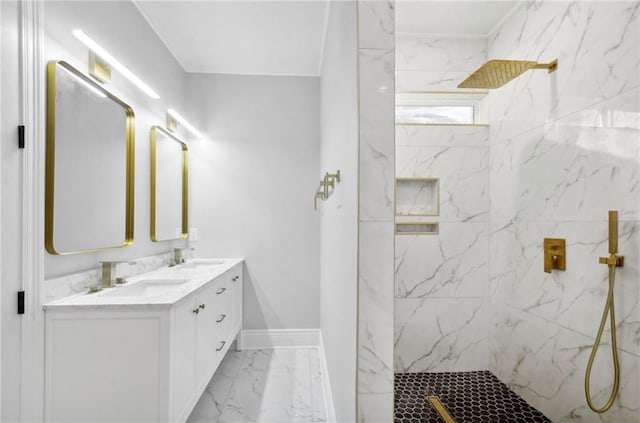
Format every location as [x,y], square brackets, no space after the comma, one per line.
[608,309]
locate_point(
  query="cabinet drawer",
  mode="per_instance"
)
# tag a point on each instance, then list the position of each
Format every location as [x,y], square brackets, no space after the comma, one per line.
[223,299]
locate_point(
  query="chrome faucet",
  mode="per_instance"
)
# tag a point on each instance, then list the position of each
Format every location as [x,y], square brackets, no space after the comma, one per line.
[109,272]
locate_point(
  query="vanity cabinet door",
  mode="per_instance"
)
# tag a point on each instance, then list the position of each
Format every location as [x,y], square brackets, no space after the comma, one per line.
[184,356]
[205,325]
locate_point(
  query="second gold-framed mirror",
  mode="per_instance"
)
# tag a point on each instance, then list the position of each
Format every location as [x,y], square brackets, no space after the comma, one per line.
[169,186]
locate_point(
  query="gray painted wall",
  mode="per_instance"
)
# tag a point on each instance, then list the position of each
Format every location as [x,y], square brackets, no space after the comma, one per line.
[252,183]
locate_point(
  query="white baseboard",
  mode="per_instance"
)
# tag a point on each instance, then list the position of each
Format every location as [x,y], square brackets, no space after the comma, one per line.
[326,384]
[278,338]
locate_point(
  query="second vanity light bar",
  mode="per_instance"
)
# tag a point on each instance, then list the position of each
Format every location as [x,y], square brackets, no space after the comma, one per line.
[97,49]
[184,123]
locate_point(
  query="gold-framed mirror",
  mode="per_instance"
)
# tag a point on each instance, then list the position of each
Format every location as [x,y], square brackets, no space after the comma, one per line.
[90,147]
[169,186]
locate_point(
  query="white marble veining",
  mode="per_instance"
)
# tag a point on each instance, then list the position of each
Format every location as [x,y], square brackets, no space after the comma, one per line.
[441,281]
[427,52]
[564,151]
[452,264]
[596,44]
[567,170]
[376,182]
[376,134]
[417,197]
[545,364]
[376,24]
[574,298]
[428,80]
[441,334]
[464,178]
[279,385]
[442,136]
[375,351]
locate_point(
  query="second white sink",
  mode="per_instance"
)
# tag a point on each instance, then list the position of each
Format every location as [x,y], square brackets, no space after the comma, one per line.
[146,288]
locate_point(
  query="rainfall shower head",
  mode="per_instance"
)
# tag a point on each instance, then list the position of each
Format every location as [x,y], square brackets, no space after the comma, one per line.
[496,73]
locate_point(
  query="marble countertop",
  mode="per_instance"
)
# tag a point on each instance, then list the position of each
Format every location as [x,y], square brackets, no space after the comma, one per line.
[160,291]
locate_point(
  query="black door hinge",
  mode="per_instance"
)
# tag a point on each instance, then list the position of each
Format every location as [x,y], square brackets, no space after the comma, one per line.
[20,136]
[20,302]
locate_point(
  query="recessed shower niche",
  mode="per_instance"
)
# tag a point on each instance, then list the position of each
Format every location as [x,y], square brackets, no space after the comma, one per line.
[417,197]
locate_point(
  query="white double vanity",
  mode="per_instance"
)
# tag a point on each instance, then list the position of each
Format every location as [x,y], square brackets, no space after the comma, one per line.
[143,351]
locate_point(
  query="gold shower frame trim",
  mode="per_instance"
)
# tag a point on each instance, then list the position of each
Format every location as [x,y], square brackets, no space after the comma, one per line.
[185,184]
[50,165]
[416,223]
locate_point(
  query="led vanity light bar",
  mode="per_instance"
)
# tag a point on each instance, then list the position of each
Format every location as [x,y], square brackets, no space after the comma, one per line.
[85,83]
[97,49]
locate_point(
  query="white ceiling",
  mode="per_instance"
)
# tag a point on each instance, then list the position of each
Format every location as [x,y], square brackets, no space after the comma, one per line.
[241,37]
[265,37]
[450,17]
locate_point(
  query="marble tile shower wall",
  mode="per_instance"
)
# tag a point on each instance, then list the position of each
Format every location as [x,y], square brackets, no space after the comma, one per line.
[442,281]
[376,40]
[564,151]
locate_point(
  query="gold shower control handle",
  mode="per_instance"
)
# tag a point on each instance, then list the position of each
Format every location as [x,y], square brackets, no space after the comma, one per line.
[554,254]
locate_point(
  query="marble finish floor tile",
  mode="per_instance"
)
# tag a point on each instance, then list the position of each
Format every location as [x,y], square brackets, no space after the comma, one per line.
[270,385]
[468,396]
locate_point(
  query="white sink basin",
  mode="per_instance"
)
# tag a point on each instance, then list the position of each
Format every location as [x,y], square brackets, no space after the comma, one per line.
[201,263]
[146,288]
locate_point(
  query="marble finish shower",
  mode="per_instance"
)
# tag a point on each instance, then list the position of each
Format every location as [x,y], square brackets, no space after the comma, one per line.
[547,156]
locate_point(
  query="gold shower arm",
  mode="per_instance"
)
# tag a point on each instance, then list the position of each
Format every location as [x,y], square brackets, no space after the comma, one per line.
[551,67]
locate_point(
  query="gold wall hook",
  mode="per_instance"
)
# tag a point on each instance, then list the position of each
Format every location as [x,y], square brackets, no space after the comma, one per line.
[554,254]
[319,195]
[334,176]
[326,183]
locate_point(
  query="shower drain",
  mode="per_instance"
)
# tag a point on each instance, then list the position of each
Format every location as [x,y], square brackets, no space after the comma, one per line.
[468,397]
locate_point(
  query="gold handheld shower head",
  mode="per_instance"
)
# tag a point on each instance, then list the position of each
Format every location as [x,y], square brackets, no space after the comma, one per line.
[496,73]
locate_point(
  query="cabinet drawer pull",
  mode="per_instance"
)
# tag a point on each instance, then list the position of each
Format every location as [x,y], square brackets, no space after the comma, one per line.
[221,346]
[221,318]
[196,310]
[221,290]
[202,306]
[235,278]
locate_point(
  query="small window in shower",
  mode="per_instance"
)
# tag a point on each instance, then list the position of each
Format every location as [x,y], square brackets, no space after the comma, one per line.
[428,114]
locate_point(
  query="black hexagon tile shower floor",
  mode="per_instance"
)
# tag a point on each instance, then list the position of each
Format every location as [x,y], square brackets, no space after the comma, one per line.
[470,397]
